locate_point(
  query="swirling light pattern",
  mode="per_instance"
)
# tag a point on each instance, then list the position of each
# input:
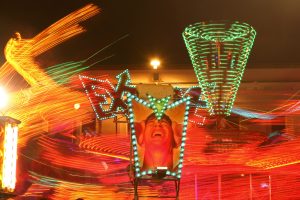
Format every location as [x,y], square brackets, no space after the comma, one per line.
[98,169]
[219,51]
[224,164]
[39,104]
[20,53]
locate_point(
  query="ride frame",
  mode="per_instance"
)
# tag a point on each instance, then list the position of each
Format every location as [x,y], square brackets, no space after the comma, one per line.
[154,177]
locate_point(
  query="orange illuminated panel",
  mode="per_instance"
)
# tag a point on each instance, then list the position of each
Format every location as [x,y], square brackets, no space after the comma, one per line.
[8,148]
[9,157]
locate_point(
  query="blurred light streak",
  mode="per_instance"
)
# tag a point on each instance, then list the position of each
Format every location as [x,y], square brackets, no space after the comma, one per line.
[294,108]
[60,170]
[61,73]
[118,147]
[3,99]
[277,155]
[20,53]
[250,114]
[40,107]
[71,190]
[110,155]
[79,173]
[107,46]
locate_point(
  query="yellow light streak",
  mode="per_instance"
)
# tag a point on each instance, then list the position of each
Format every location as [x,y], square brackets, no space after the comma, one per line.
[45,104]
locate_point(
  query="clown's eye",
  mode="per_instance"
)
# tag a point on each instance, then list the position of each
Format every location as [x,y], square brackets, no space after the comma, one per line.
[164,123]
[150,123]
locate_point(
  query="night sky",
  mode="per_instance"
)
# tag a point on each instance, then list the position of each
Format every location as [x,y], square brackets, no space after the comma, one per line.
[154,28]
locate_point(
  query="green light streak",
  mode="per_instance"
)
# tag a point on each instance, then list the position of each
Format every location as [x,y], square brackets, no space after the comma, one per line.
[61,73]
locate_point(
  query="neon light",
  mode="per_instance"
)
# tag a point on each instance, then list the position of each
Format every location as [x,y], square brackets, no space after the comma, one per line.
[149,104]
[197,103]
[9,157]
[20,52]
[123,86]
[99,91]
[158,105]
[39,103]
[294,108]
[219,51]
[61,73]
[249,114]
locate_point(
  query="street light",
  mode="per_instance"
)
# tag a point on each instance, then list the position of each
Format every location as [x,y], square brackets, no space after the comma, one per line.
[155,64]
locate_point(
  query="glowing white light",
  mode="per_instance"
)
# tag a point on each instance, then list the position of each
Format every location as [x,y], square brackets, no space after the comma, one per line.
[77,106]
[155,63]
[3,98]
[10,157]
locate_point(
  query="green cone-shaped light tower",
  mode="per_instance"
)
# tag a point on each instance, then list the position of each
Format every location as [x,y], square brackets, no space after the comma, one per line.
[219,51]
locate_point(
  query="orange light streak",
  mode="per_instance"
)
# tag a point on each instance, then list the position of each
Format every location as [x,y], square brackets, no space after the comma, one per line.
[21,53]
[45,104]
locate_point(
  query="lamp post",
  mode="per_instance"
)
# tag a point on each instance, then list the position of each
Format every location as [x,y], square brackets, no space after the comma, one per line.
[78,125]
[155,64]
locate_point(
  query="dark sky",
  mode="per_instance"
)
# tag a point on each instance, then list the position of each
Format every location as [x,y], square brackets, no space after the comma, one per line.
[154,28]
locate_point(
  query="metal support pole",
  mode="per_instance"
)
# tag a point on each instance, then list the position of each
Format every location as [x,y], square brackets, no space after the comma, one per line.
[251,188]
[196,187]
[270,188]
[116,123]
[98,126]
[219,186]
[136,196]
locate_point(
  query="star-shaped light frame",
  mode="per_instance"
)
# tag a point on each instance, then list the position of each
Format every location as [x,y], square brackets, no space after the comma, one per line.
[106,90]
[158,105]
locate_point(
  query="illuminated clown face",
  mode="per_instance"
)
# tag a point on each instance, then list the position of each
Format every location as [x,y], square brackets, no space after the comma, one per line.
[157,140]
[158,132]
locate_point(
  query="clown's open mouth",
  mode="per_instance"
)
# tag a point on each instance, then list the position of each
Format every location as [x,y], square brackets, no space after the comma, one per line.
[157,134]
